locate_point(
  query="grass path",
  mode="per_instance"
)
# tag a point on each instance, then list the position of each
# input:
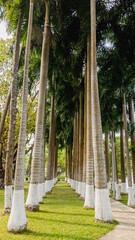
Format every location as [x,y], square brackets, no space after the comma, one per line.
[60,217]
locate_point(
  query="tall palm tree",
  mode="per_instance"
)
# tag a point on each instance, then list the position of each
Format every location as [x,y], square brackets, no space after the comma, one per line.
[122,155]
[18,221]
[52,135]
[113,165]
[89,198]
[80,144]
[132,119]
[103,210]
[85,136]
[32,202]
[131,199]
[107,159]
[118,195]
[11,134]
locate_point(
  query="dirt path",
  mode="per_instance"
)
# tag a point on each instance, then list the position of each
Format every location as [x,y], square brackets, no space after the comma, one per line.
[126,218]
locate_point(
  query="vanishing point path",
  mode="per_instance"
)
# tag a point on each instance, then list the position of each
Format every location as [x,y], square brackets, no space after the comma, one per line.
[61,217]
[126,218]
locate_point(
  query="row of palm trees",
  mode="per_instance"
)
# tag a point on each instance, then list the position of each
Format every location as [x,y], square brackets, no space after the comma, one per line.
[87,167]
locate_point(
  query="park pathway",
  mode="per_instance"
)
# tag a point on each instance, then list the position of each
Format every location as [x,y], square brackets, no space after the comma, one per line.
[126,218]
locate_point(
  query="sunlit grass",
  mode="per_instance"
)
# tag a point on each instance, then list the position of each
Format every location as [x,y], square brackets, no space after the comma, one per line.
[60,217]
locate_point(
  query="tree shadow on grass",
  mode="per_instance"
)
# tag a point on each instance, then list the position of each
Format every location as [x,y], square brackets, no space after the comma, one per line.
[69,214]
[53,235]
[96,225]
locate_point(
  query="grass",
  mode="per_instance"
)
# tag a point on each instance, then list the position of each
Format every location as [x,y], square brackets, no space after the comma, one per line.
[60,217]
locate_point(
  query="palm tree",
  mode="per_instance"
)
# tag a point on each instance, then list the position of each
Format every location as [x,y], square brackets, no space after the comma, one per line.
[11,134]
[123,177]
[32,202]
[103,210]
[89,198]
[107,153]
[131,199]
[85,136]
[132,119]
[118,195]
[52,135]
[80,143]
[18,221]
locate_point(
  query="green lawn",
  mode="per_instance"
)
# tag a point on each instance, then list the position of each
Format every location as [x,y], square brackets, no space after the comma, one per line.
[60,217]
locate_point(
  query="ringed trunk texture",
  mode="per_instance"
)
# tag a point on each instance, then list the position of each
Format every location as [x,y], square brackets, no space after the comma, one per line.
[89,198]
[107,156]
[11,133]
[132,119]
[80,143]
[103,210]
[85,135]
[131,200]
[123,177]
[32,202]
[15,223]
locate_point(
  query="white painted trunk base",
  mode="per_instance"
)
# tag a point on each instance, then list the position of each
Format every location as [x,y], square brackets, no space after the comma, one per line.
[76,187]
[103,211]
[71,182]
[90,197]
[79,187]
[109,185]
[32,202]
[134,189]
[124,188]
[65,179]
[44,193]
[131,198]
[17,220]
[83,190]
[118,196]
[74,184]
[8,199]
[40,192]
[48,186]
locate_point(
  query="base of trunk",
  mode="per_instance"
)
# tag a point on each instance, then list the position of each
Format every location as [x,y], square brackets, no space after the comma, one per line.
[32,203]
[79,187]
[8,199]
[103,211]
[124,188]
[83,190]
[48,186]
[17,220]
[131,199]
[109,185]
[90,197]
[118,196]
[40,192]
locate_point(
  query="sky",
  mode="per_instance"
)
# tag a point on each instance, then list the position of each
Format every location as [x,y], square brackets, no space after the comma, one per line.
[3,33]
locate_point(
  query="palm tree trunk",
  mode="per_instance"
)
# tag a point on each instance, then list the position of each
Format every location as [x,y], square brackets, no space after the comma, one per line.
[16,224]
[118,196]
[89,198]
[74,153]
[85,135]
[107,158]
[123,177]
[11,134]
[132,119]
[80,144]
[52,138]
[131,200]
[77,148]
[32,202]
[103,210]
[113,165]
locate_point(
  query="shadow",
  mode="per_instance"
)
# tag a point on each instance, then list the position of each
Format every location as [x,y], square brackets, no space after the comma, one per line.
[53,235]
[70,223]
[68,214]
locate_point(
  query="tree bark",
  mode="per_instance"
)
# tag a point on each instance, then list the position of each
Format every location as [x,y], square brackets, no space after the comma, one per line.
[132,119]
[103,210]
[12,123]
[32,204]
[19,224]
[107,156]
[123,177]
[131,200]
